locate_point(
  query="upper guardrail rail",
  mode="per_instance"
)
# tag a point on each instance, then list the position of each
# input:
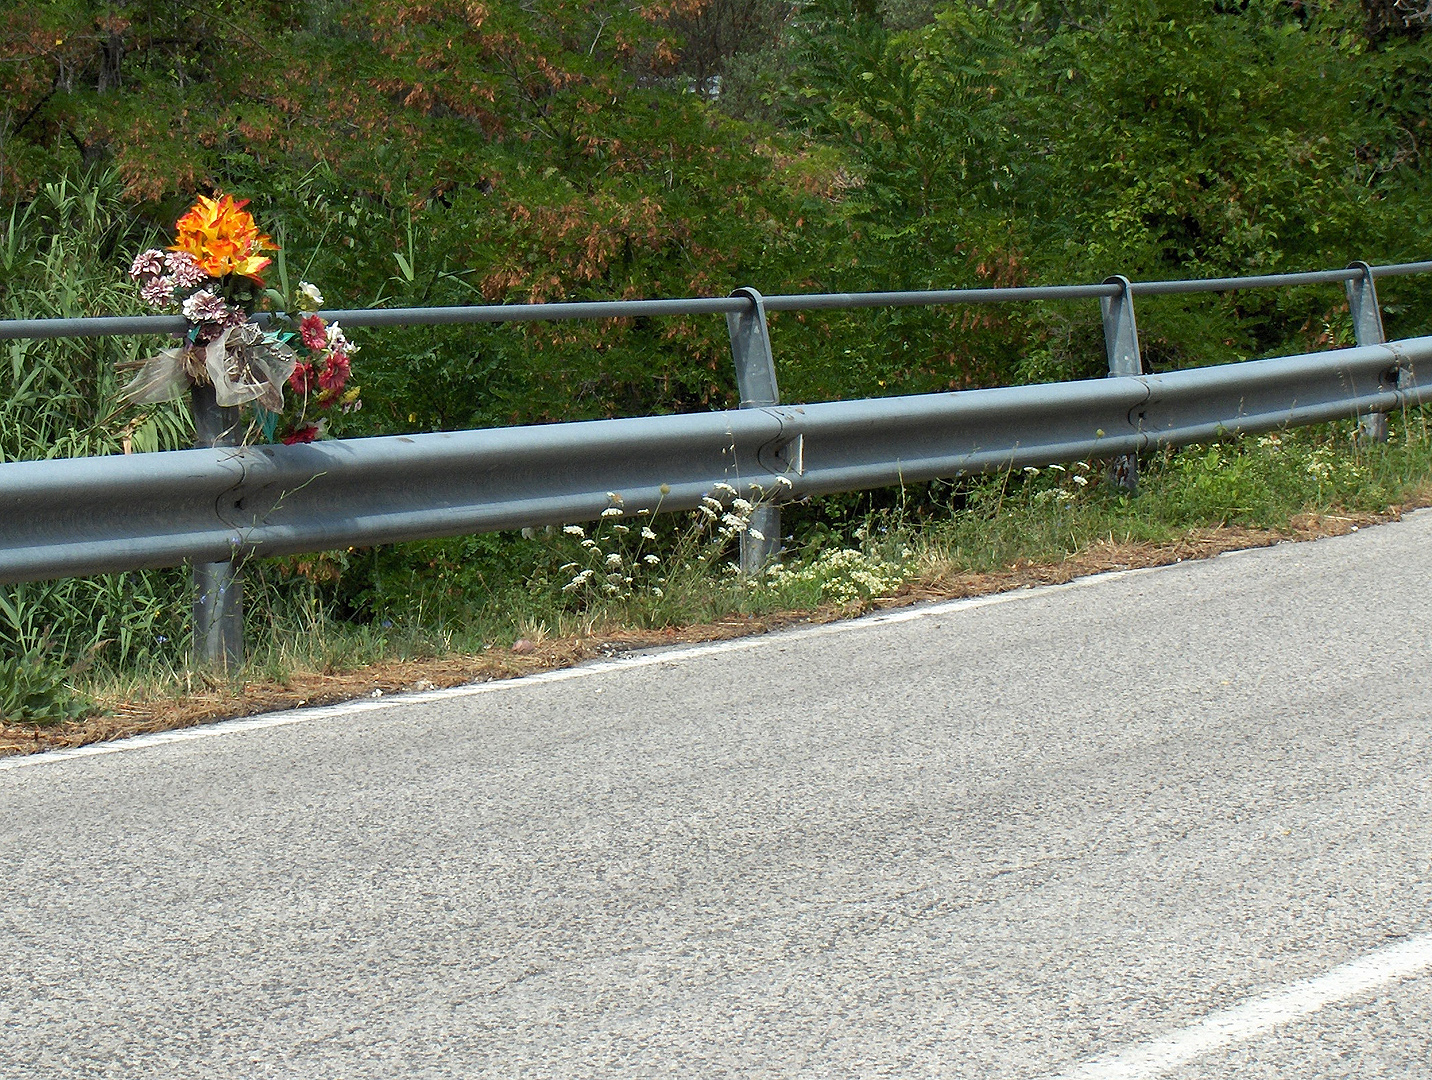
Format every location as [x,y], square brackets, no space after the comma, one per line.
[117,326]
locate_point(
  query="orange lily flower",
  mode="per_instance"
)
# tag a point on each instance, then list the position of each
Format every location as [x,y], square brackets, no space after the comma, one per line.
[223,238]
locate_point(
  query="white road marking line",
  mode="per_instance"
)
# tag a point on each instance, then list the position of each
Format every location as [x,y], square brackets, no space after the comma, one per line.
[1261,1014]
[582,671]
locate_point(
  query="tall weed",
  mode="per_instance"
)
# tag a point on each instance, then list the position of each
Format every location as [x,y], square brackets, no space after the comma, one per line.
[62,255]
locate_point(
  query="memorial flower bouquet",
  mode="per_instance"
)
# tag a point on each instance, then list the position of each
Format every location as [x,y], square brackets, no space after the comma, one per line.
[212,275]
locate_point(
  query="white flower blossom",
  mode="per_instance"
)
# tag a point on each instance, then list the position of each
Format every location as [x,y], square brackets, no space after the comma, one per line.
[309,298]
[574,530]
[612,511]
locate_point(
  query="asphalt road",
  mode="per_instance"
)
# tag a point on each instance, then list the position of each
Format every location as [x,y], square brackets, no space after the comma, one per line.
[1110,829]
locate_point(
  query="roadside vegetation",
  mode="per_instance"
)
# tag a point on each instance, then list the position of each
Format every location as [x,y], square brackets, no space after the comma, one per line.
[459,153]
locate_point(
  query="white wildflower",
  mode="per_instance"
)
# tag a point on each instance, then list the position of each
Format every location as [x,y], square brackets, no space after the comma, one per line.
[574,530]
[727,488]
[784,480]
[614,559]
[650,560]
[714,504]
[1082,481]
[589,544]
[742,506]
[612,511]
[647,534]
[755,534]
[615,497]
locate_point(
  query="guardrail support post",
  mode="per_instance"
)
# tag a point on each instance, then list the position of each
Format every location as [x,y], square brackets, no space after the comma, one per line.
[1121,342]
[756,381]
[1367,330]
[218,588]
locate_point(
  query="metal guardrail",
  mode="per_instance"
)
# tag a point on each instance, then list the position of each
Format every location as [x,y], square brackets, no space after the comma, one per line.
[219,505]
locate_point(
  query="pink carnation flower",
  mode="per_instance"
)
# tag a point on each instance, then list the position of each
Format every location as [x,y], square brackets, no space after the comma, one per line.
[184,269]
[158,292]
[147,264]
[206,307]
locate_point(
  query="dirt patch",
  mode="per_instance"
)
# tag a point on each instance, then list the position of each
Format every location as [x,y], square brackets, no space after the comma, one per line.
[223,701]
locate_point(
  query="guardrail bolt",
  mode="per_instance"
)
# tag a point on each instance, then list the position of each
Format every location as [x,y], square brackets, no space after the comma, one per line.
[756,381]
[218,586]
[1367,330]
[1121,343]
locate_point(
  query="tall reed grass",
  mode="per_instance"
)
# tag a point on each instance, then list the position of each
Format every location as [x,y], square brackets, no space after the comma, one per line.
[63,255]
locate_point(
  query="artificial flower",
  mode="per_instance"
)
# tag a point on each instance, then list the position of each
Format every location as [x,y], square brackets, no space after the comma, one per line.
[157,292]
[147,264]
[223,238]
[309,298]
[305,434]
[335,372]
[205,306]
[312,330]
[304,379]
[184,269]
